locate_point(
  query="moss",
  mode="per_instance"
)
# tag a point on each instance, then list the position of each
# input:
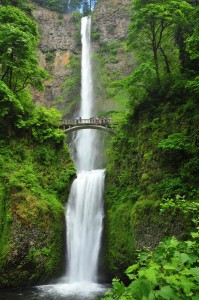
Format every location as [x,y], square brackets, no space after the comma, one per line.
[70,86]
[119,238]
[150,227]
[140,174]
[34,184]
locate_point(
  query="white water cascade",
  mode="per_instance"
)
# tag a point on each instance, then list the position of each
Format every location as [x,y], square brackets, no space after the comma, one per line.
[84,217]
[85,206]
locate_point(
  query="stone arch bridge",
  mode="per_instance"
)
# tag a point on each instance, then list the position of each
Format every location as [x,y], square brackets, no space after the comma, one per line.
[92,123]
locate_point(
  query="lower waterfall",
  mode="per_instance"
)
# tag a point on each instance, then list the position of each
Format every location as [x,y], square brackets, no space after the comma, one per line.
[84,225]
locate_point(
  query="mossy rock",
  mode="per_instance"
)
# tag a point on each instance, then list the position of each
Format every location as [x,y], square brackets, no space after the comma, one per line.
[119,240]
[32,216]
[150,227]
[33,251]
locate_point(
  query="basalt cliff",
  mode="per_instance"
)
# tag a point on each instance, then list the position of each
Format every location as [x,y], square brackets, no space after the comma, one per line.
[60,49]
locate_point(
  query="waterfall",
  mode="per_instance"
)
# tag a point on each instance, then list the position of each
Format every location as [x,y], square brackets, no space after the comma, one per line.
[85,206]
[84,224]
[84,211]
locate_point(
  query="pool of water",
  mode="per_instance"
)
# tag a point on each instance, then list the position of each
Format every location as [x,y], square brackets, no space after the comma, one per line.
[73,291]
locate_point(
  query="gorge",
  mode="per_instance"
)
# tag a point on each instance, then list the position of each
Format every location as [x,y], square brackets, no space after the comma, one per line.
[152,168]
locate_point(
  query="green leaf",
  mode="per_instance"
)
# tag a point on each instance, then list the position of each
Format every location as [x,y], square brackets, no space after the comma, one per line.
[195,235]
[169,267]
[195,273]
[185,257]
[132,268]
[166,292]
[186,285]
[140,288]
[150,274]
[118,286]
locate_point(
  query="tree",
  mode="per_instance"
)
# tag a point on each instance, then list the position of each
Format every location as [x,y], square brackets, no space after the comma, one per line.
[65,6]
[18,41]
[86,8]
[74,5]
[192,42]
[152,27]
[17,3]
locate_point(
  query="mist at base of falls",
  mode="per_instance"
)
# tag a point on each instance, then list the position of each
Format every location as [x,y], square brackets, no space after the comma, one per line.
[61,291]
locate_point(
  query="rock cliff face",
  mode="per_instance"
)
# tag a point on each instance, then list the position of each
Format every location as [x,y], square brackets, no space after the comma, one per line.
[56,30]
[58,41]
[60,44]
[111,20]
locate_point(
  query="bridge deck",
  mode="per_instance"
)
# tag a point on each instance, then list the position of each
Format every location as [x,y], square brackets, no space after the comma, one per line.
[79,121]
[92,123]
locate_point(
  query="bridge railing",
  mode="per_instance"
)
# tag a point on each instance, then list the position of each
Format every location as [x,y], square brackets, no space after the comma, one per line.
[93,121]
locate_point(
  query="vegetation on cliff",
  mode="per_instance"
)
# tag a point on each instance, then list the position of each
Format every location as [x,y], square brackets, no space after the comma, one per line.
[153,165]
[36,169]
[67,6]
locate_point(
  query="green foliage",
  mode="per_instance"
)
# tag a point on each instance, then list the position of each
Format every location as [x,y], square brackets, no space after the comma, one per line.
[160,36]
[45,125]
[152,26]
[176,142]
[192,41]
[169,272]
[108,47]
[76,17]
[24,5]
[193,85]
[65,6]
[181,204]
[36,169]
[18,40]
[71,85]
[95,35]
[110,97]
[50,56]
[153,156]
[10,105]
[55,5]
[34,182]
[119,242]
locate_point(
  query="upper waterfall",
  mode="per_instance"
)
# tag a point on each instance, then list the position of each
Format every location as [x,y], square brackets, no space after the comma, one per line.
[86,107]
[86,143]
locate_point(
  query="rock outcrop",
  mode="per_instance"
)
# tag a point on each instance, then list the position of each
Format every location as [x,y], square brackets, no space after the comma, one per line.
[111,20]
[58,41]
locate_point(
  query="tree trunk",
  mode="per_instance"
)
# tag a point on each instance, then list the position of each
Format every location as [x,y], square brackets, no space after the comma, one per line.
[166,61]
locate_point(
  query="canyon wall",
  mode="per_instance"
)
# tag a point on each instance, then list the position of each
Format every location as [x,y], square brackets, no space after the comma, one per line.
[60,54]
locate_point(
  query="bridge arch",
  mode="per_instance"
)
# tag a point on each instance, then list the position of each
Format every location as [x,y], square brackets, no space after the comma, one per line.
[88,126]
[92,123]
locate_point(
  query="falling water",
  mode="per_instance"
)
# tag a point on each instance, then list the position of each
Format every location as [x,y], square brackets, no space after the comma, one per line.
[86,141]
[84,223]
[85,206]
